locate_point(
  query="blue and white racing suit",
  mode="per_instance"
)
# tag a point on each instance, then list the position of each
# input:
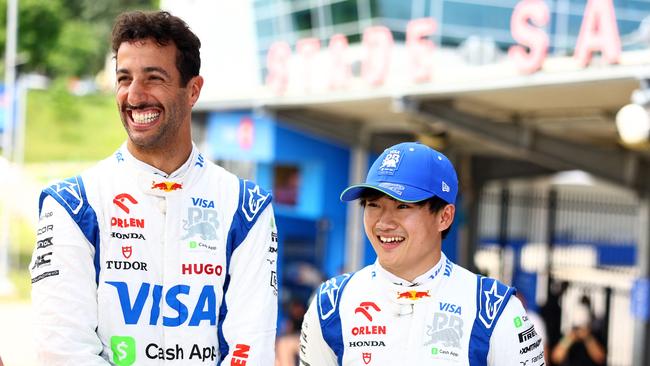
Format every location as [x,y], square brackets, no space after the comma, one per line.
[447,316]
[136,267]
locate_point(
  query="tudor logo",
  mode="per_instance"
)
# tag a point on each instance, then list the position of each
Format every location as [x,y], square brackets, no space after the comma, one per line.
[364,307]
[127,250]
[367,357]
[120,200]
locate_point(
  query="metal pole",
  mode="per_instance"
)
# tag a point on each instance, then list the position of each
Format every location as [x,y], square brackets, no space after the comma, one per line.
[354,226]
[642,326]
[7,136]
[503,231]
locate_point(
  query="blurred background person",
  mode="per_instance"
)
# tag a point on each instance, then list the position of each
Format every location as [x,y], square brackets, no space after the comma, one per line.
[582,345]
[288,342]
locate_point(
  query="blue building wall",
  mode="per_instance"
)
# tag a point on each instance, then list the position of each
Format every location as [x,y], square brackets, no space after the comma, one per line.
[325,167]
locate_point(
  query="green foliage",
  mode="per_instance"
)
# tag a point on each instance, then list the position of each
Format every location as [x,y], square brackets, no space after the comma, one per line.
[39,24]
[79,51]
[66,37]
[23,237]
[61,126]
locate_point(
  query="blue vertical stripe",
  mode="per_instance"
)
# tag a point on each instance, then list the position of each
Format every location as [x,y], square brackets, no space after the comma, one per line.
[252,202]
[491,298]
[328,301]
[71,195]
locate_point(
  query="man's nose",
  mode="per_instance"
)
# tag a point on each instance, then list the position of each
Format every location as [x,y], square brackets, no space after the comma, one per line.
[136,93]
[386,220]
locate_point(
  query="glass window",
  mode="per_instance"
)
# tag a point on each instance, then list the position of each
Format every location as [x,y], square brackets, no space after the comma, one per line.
[265,28]
[302,20]
[354,38]
[286,184]
[399,36]
[477,16]
[395,9]
[344,12]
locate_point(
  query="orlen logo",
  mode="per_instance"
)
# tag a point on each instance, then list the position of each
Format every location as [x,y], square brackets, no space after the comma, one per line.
[130,222]
[123,197]
[166,186]
[364,307]
[413,295]
[240,355]
[200,268]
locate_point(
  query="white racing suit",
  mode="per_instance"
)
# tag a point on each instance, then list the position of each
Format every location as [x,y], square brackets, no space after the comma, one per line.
[448,316]
[134,267]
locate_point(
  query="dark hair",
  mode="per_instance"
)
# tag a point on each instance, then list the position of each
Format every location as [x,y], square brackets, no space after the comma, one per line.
[163,28]
[435,203]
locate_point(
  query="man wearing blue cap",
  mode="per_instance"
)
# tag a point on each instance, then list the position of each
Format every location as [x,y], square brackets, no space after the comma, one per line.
[413,306]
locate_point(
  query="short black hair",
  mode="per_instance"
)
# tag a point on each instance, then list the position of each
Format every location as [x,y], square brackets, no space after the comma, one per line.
[435,203]
[164,28]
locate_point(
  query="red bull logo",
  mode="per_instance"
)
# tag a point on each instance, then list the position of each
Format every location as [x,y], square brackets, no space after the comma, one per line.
[166,186]
[413,295]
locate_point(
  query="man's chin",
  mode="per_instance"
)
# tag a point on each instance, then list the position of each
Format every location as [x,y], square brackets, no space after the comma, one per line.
[140,142]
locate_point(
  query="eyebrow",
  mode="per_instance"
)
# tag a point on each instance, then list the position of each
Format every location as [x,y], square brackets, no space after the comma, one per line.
[148,69]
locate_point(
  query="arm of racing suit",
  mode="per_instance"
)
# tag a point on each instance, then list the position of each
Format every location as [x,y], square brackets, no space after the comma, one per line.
[64,291]
[314,351]
[251,300]
[514,341]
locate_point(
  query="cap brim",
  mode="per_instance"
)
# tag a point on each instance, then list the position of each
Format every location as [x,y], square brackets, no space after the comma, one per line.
[409,194]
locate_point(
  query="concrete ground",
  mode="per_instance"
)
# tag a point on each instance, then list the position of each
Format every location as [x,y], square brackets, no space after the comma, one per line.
[16,330]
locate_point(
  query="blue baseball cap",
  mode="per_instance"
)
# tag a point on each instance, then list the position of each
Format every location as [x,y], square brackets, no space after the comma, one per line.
[409,172]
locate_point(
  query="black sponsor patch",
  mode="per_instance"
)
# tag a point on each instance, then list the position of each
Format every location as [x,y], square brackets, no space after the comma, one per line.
[45,275]
[42,260]
[527,335]
[44,243]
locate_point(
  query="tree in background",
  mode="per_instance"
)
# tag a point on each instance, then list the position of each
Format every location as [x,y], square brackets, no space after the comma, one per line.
[63,38]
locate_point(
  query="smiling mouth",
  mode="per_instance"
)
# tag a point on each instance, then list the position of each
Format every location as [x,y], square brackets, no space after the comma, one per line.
[143,117]
[391,240]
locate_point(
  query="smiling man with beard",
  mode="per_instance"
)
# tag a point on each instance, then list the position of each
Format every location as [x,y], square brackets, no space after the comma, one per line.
[414,306]
[155,254]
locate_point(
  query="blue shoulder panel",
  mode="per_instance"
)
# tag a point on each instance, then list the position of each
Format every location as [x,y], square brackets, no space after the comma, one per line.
[252,202]
[491,298]
[328,300]
[71,195]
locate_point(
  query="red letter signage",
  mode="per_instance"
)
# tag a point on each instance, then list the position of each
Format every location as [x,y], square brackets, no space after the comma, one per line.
[340,65]
[378,43]
[277,63]
[598,33]
[307,48]
[535,11]
[420,48]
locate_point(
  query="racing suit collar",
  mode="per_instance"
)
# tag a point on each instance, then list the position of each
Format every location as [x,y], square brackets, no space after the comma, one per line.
[140,165]
[429,275]
[404,295]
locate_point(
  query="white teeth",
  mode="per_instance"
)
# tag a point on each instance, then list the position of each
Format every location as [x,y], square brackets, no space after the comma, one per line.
[143,118]
[385,239]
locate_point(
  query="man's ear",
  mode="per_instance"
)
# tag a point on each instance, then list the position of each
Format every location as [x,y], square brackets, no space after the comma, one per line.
[194,85]
[446,217]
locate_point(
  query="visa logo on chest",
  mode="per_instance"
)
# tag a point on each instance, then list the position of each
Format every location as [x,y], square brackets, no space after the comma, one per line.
[452,308]
[175,298]
[203,203]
